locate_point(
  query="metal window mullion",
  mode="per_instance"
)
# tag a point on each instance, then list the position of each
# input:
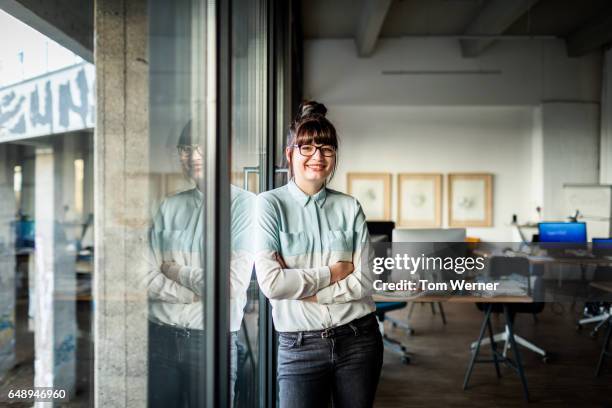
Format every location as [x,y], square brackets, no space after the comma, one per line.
[217,202]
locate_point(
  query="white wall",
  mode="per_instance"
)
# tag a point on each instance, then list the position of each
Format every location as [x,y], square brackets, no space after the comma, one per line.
[531,71]
[606,120]
[570,151]
[492,123]
[408,139]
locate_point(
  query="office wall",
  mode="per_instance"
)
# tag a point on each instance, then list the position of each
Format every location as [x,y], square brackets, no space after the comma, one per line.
[408,139]
[520,73]
[500,117]
[570,151]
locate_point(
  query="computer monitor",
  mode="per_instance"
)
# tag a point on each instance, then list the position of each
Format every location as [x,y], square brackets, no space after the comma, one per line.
[602,246]
[562,232]
[436,242]
[429,235]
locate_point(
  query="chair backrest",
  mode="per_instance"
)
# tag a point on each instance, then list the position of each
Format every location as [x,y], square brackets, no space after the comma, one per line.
[381,228]
[500,266]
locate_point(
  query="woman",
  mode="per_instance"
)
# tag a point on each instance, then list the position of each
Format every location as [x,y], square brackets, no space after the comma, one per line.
[308,263]
[175,283]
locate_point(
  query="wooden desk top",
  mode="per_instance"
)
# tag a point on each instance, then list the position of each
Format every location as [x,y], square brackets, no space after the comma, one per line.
[454,299]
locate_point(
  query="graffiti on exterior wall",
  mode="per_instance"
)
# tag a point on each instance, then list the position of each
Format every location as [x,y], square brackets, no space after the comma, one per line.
[61,101]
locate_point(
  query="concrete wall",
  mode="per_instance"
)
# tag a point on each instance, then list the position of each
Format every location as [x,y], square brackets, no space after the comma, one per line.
[121,194]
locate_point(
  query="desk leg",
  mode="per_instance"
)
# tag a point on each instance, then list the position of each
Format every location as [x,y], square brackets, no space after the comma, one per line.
[442,312]
[516,352]
[493,348]
[486,320]
[604,348]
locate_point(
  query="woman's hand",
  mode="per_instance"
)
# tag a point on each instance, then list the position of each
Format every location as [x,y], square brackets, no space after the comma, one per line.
[171,270]
[340,270]
[280,260]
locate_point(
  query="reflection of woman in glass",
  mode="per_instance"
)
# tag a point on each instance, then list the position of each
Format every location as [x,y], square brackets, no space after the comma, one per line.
[308,262]
[175,285]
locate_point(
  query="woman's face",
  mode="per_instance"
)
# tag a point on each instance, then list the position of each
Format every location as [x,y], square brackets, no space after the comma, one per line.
[192,161]
[312,163]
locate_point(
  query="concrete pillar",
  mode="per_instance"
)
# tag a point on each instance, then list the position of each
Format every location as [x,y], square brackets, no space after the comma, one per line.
[570,151]
[606,120]
[55,279]
[7,263]
[121,202]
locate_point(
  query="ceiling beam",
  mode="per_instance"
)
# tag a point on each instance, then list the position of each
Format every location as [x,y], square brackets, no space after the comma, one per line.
[67,22]
[370,23]
[494,18]
[591,36]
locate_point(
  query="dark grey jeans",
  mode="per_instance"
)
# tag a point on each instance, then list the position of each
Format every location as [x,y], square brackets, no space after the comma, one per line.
[176,377]
[341,365]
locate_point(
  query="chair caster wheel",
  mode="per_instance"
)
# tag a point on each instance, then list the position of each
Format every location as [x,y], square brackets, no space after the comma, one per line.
[545,359]
[405,360]
[578,327]
[593,334]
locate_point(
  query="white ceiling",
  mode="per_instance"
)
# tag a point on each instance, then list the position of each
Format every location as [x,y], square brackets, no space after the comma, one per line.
[558,18]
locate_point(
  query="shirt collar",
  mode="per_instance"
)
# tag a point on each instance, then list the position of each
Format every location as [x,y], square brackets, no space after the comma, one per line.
[302,198]
[197,196]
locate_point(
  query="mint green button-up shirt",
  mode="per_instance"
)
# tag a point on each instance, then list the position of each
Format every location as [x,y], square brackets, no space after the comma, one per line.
[177,234]
[311,233]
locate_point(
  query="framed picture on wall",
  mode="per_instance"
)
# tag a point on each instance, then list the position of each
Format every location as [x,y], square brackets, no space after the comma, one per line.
[373,190]
[419,200]
[470,200]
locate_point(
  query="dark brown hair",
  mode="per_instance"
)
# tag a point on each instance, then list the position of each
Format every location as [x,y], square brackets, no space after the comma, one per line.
[310,126]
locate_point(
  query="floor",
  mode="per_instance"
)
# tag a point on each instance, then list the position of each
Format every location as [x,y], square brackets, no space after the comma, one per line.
[434,377]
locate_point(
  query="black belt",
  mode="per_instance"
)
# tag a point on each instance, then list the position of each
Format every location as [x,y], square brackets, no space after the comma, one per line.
[353,328]
[177,331]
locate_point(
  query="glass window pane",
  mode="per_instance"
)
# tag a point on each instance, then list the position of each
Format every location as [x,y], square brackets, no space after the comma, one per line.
[181,122]
[248,131]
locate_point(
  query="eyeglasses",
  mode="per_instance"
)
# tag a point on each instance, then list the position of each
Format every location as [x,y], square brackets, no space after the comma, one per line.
[310,150]
[188,150]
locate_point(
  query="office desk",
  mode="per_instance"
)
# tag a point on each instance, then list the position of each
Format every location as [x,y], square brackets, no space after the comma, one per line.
[498,358]
[583,262]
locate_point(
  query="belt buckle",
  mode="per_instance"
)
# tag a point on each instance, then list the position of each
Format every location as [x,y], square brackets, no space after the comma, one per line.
[327,333]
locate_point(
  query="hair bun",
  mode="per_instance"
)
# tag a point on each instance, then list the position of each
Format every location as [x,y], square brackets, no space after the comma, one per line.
[311,108]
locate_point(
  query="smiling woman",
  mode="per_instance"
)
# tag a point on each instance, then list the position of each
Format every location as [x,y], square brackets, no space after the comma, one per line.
[309,241]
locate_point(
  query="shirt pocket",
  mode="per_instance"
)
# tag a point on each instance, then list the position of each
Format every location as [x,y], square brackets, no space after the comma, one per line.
[340,245]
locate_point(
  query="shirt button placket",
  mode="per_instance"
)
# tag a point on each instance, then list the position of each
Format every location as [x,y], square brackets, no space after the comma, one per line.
[316,217]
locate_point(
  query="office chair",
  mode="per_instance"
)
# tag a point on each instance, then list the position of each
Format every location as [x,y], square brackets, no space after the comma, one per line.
[601,311]
[604,348]
[519,266]
[393,345]
[499,267]
[383,230]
